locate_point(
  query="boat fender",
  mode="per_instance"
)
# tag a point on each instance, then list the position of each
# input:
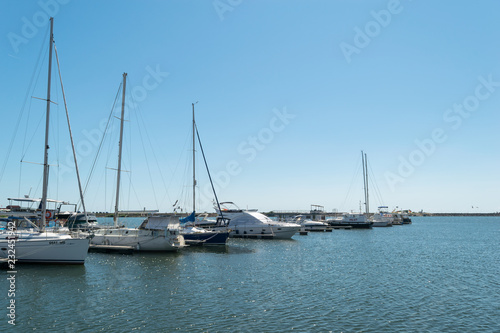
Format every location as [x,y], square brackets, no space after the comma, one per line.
[138,246]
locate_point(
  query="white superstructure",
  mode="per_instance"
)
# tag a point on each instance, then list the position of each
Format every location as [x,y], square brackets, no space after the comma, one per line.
[252,224]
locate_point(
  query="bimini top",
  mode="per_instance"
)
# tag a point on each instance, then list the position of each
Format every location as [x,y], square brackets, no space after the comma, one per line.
[160,223]
[229,207]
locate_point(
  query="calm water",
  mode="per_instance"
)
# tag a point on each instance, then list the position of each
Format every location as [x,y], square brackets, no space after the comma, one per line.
[436,275]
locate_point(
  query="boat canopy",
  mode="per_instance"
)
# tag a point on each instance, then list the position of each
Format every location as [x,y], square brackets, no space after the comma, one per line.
[160,222]
[190,218]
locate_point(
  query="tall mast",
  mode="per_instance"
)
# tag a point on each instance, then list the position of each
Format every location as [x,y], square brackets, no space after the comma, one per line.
[365,177]
[364,180]
[115,217]
[47,122]
[194,171]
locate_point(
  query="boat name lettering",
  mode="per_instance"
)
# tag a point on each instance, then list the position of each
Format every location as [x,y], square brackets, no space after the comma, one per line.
[57,242]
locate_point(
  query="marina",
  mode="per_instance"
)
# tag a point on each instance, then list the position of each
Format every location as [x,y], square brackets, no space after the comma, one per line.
[254,213]
[419,277]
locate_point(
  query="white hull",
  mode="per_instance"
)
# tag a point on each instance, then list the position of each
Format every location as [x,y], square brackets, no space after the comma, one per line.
[47,248]
[309,225]
[139,239]
[263,231]
[315,227]
[382,224]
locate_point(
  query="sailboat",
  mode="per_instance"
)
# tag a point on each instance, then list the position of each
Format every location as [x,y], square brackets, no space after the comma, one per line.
[25,241]
[356,220]
[156,233]
[194,235]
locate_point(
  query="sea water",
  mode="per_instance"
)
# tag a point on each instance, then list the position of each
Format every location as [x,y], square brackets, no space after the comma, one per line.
[439,274]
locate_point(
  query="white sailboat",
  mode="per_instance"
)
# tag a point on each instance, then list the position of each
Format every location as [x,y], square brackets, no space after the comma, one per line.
[194,235]
[356,220]
[381,218]
[156,233]
[25,241]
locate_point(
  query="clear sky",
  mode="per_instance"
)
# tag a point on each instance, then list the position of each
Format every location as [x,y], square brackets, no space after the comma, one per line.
[288,92]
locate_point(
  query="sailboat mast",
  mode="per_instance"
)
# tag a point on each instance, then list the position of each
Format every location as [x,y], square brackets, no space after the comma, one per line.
[194,170]
[367,195]
[115,216]
[364,180]
[47,122]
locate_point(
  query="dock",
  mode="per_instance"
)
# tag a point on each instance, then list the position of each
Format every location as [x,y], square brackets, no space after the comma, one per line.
[111,249]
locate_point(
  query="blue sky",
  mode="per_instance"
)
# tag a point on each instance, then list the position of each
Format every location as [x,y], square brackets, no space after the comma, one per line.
[289,93]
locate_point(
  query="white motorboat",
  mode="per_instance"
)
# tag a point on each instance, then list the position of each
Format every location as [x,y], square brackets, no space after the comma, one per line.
[383,218]
[252,224]
[308,224]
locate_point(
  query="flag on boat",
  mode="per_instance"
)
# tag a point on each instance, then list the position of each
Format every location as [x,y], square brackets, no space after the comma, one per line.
[189,218]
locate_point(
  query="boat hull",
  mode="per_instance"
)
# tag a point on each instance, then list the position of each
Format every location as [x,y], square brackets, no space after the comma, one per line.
[139,239]
[206,238]
[352,225]
[47,251]
[382,224]
[264,232]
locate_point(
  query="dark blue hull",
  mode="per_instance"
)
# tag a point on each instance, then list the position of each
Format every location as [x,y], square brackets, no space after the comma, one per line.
[207,238]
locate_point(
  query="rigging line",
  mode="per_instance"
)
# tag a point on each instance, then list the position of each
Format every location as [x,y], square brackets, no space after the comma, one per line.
[375,185]
[147,164]
[181,158]
[355,176]
[31,92]
[16,127]
[131,185]
[92,169]
[208,171]
[42,117]
[71,138]
[139,120]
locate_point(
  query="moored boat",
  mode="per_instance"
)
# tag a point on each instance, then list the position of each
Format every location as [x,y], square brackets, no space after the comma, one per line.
[382,218]
[351,220]
[308,224]
[156,233]
[252,224]
[29,241]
